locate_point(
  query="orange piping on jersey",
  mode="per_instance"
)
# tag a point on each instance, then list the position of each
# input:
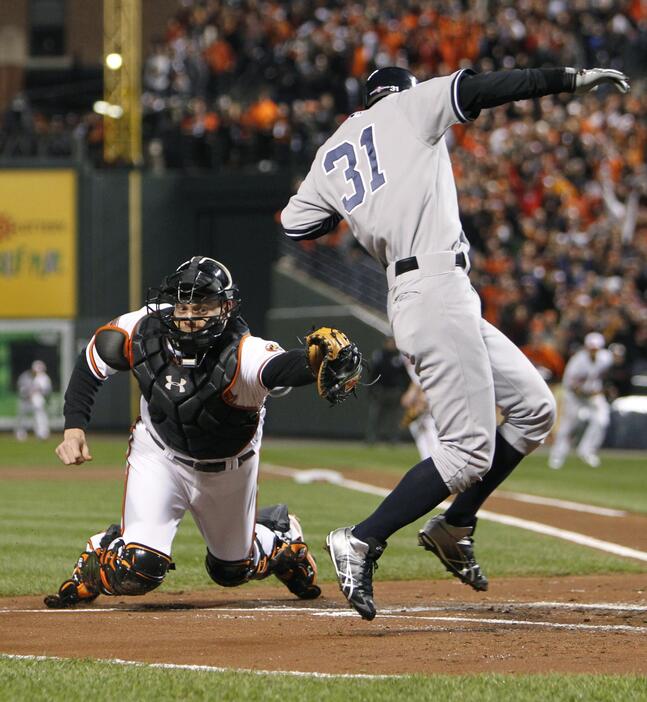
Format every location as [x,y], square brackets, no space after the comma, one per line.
[262,368]
[90,354]
[123,499]
[127,340]
[251,547]
[226,393]
[130,342]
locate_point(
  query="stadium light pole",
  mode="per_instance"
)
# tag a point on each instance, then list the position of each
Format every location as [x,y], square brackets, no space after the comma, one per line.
[122,122]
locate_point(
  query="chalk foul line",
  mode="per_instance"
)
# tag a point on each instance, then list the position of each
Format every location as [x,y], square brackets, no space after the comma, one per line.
[204,668]
[335,478]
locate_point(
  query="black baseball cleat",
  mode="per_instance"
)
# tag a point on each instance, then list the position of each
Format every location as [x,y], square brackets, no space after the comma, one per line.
[82,587]
[354,562]
[454,548]
[295,567]
[292,562]
[76,589]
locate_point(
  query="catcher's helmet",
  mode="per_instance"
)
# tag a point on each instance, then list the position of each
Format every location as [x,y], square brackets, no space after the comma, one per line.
[198,280]
[385,81]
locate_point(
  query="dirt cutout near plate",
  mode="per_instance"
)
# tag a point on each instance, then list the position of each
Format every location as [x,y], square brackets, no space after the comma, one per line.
[595,625]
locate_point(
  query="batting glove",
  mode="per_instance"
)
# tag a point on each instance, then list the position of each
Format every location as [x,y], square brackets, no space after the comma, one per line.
[589,79]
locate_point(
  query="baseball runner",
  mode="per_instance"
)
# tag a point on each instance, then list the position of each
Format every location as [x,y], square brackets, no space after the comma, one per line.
[582,390]
[34,387]
[386,171]
[204,380]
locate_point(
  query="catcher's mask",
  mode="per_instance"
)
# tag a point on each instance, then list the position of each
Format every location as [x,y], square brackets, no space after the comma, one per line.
[385,81]
[203,297]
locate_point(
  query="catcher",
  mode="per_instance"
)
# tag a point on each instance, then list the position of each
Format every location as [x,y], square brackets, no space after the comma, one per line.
[203,381]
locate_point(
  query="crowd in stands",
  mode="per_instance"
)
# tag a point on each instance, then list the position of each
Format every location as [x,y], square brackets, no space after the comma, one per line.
[553,193]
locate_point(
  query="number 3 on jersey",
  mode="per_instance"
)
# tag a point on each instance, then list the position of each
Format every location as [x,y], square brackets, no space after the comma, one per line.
[347,150]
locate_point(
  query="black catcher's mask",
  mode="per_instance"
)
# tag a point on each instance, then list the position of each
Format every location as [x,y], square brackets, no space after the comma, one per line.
[199,280]
[385,81]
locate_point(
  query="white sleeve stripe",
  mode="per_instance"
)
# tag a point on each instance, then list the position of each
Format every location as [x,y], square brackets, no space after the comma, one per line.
[454,96]
[89,350]
[262,368]
[296,233]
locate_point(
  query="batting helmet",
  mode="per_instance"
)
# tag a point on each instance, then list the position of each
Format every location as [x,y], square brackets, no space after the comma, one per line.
[385,81]
[198,280]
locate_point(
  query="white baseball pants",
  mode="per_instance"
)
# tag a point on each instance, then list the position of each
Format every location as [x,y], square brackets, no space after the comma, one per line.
[599,414]
[159,491]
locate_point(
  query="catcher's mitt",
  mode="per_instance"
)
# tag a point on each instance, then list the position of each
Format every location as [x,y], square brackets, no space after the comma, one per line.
[336,363]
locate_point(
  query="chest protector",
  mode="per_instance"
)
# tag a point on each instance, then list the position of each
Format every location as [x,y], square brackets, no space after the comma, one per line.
[187,405]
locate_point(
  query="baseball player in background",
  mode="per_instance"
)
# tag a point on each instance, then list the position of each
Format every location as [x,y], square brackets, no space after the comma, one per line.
[582,387]
[203,380]
[417,416]
[418,420]
[386,171]
[34,387]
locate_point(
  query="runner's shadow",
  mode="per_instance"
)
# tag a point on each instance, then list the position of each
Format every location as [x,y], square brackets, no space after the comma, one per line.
[242,604]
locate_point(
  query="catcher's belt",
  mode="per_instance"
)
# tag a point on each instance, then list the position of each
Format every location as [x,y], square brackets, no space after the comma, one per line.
[206,466]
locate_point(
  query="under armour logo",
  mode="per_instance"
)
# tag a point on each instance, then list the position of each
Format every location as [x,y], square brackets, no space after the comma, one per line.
[170,383]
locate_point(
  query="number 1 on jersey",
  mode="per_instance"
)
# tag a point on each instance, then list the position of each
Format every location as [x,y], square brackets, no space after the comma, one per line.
[352,175]
[366,140]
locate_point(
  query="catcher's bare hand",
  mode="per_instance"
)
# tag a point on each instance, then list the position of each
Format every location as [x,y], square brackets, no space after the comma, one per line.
[587,79]
[73,450]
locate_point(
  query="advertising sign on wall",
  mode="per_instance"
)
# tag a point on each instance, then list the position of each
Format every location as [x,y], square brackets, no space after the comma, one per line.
[37,243]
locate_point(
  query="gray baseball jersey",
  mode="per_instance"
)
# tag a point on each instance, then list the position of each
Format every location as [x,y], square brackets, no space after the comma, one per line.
[390,178]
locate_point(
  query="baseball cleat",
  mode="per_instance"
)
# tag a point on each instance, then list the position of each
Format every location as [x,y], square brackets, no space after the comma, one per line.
[354,562]
[591,459]
[75,590]
[294,565]
[83,586]
[454,548]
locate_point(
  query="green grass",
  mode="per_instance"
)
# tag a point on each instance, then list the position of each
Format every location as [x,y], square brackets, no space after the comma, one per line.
[44,523]
[53,680]
[617,483]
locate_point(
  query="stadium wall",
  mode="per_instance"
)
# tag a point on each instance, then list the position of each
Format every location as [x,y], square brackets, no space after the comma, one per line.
[230,217]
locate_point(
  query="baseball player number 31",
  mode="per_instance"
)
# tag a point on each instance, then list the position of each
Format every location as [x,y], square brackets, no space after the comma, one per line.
[387,172]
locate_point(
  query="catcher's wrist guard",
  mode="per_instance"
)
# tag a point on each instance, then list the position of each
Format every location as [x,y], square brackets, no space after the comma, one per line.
[335,361]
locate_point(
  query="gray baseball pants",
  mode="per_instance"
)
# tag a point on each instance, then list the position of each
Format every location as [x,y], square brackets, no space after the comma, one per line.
[466,368]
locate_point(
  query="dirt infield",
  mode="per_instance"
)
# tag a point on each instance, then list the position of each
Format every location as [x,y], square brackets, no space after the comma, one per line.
[594,624]
[577,625]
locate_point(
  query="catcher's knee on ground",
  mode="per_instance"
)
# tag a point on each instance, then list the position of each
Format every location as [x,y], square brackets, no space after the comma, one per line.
[228,573]
[132,569]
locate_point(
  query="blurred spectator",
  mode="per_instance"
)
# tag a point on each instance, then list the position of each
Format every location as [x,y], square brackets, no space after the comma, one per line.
[552,192]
